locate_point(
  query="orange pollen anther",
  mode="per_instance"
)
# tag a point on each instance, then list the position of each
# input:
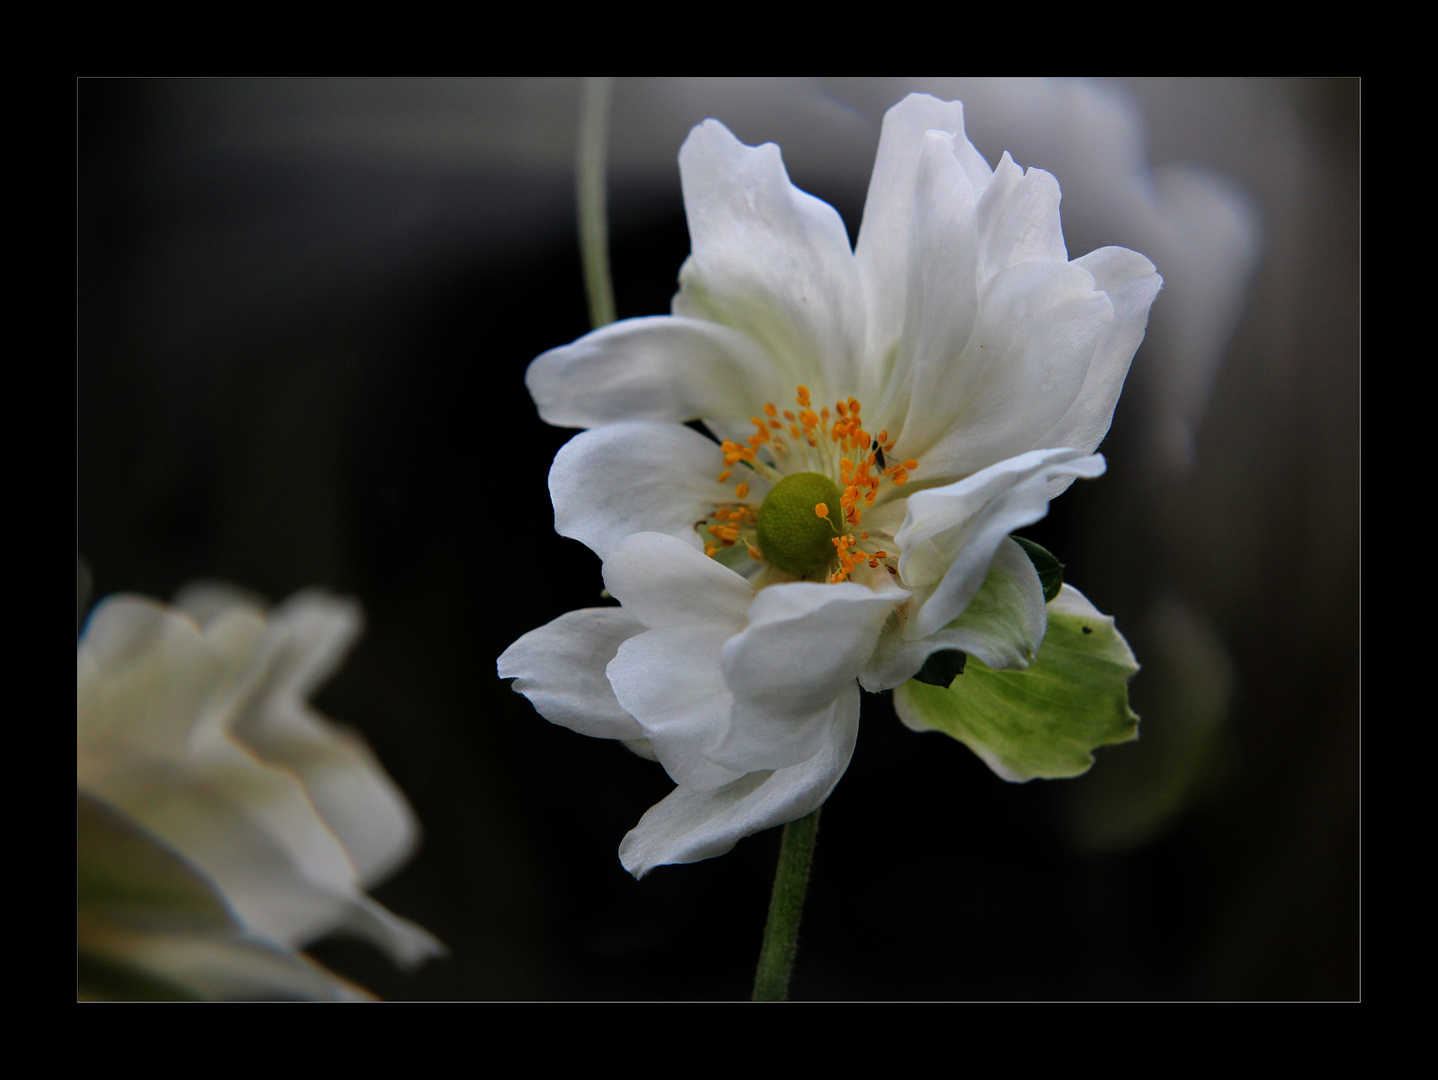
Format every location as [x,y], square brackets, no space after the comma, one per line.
[769,410]
[821,509]
[742,490]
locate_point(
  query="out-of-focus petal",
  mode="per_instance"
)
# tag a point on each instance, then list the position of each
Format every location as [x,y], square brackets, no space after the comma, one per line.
[692,825]
[304,641]
[158,699]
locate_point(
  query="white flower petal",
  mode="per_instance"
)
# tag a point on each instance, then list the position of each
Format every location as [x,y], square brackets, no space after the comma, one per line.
[157,701]
[887,233]
[951,533]
[145,681]
[1022,369]
[942,299]
[769,260]
[1002,625]
[802,650]
[1131,284]
[692,825]
[305,640]
[663,582]
[656,368]
[671,682]
[560,669]
[639,476]
[1019,220]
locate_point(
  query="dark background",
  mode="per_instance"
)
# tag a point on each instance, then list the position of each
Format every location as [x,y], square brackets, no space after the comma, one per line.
[305,311]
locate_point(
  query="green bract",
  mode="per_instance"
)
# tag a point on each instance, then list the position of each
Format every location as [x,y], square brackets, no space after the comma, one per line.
[1044,721]
[1050,570]
[791,535]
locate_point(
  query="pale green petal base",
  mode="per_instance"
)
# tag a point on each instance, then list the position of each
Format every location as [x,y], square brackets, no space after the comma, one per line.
[1044,721]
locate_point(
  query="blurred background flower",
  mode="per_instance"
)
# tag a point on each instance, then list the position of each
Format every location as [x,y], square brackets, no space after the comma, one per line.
[306,308]
[224,823]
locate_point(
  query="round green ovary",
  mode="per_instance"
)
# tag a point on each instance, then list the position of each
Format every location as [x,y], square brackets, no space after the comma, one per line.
[791,535]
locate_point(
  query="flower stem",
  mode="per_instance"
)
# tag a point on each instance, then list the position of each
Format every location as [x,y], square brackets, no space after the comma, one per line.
[593,229]
[786,905]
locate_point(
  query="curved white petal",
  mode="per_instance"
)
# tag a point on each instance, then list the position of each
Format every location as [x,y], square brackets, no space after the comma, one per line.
[560,668]
[1019,220]
[671,682]
[801,651]
[1131,284]
[769,260]
[663,582]
[656,368]
[638,476]
[305,640]
[941,303]
[887,233]
[950,534]
[145,681]
[692,825]
[1022,368]
[157,702]
[1002,625]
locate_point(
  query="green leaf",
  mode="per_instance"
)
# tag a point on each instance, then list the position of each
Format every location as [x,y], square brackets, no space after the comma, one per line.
[942,667]
[1051,571]
[1044,721]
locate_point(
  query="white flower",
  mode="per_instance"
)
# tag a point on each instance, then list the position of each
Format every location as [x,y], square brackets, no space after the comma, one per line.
[888,416]
[193,723]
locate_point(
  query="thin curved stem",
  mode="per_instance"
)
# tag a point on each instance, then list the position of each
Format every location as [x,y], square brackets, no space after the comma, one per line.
[786,906]
[593,228]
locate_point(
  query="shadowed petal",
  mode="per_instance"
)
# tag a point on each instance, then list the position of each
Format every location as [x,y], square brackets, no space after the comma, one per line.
[560,669]
[663,582]
[671,682]
[951,533]
[692,825]
[655,368]
[1002,625]
[802,650]
[887,234]
[637,476]
[1131,283]
[769,260]
[1023,367]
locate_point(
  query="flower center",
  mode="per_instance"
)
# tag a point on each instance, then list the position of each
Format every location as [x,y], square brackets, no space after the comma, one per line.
[795,529]
[810,458]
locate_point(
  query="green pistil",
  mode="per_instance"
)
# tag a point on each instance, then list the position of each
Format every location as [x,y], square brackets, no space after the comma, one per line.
[791,535]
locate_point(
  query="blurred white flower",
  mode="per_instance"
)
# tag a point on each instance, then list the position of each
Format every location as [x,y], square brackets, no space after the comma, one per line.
[193,723]
[972,370]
